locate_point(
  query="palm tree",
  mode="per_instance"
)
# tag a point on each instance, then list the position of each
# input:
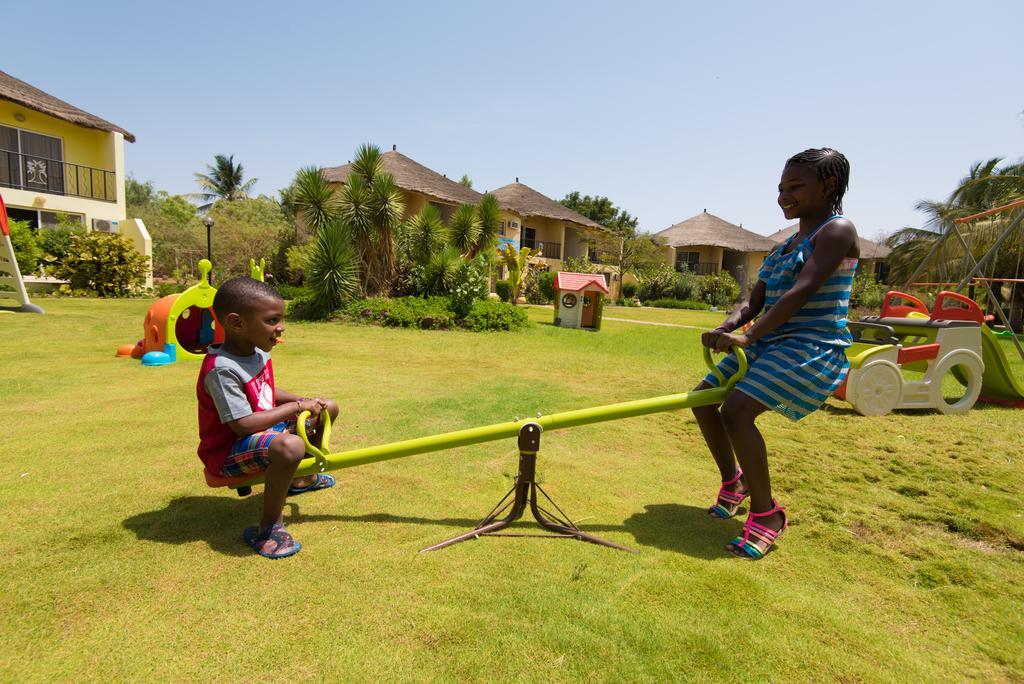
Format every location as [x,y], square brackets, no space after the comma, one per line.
[372,206]
[313,200]
[441,272]
[986,185]
[464,229]
[423,235]
[223,181]
[488,215]
[333,273]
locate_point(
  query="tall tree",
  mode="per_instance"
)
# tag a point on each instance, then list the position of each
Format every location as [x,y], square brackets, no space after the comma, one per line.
[988,184]
[600,209]
[312,198]
[371,206]
[488,215]
[222,181]
[625,248]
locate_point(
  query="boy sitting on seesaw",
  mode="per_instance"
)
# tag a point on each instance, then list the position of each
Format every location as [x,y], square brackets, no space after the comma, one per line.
[246,425]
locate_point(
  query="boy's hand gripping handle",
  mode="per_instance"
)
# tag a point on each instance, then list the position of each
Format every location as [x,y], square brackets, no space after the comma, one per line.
[319,453]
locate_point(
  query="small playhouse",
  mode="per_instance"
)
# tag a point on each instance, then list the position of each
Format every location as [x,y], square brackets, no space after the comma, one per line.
[579,300]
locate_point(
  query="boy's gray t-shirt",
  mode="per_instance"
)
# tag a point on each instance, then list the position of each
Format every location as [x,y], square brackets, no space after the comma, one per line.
[226,381]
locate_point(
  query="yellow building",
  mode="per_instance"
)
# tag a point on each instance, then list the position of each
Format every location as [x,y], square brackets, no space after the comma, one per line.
[530,219]
[706,244]
[58,159]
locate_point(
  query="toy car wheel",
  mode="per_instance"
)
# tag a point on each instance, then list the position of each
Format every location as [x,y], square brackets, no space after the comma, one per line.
[877,389]
[967,368]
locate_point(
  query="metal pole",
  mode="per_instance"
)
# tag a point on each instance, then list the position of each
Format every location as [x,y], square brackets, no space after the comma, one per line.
[992,296]
[992,250]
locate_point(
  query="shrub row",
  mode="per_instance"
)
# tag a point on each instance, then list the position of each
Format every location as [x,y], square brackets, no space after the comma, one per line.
[435,313]
[668,303]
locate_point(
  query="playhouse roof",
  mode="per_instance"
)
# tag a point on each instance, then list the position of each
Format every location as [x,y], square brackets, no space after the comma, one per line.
[26,95]
[574,282]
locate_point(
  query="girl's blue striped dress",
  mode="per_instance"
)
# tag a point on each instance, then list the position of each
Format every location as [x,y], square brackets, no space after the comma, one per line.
[794,368]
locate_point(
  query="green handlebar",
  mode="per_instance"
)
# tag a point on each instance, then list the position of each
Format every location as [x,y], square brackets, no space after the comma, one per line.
[741,358]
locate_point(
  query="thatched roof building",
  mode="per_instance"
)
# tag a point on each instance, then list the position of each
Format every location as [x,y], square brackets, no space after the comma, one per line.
[413,176]
[527,202]
[868,248]
[706,229]
[22,93]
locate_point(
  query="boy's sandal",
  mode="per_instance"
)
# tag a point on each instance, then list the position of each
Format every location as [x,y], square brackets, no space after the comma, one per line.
[758,540]
[281,544]
[728,502]
[322,481]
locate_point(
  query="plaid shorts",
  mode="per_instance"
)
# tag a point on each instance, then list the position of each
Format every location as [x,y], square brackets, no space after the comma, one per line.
[250,454]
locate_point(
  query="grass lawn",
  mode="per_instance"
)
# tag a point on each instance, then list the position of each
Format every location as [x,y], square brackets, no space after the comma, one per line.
[904,559]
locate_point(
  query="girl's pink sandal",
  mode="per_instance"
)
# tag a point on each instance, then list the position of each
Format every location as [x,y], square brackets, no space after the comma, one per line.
[754,533]
[731,499]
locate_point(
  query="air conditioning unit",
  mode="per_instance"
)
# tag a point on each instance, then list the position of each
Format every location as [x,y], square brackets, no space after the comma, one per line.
[104,226]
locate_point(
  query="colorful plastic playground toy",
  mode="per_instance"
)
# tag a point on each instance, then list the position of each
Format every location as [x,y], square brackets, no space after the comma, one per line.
[526,492]
[258,271]
[179,326]
[953,338]
[10,274]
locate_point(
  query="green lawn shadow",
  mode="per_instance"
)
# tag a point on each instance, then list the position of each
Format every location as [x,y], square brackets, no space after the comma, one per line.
[190,519]
[670,527]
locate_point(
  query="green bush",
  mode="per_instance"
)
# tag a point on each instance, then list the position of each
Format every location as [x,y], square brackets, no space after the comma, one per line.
[866,293]
[298,258]
[292,292]
[490,316]
[532,291]
[56,244]
[581,264]
[546,285]
[687,286]
[471,286]
[104,263]
[167,288]
[678,304]
[403,312]
[26,247]
[657,283]
[719,289]
[503,289]
[248,228]
[629,290]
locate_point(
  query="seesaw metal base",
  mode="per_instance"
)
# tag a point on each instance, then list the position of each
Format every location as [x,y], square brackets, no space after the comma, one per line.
[527,492]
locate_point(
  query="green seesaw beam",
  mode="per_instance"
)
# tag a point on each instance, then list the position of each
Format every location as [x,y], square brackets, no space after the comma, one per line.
[322,460]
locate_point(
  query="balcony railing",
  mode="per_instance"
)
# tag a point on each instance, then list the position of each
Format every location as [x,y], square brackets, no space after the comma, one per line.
[549,250]
[55,177]
[700,268]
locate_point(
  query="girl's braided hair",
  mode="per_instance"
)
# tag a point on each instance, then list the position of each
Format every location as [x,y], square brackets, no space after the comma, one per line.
[829,164]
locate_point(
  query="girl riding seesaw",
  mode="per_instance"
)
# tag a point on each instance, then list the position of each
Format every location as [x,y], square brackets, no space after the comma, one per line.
[795,348]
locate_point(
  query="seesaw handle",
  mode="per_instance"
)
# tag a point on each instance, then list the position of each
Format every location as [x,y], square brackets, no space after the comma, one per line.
[319,453]
[741,359]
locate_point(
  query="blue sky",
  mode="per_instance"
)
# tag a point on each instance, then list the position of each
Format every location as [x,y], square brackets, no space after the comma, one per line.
[667,108]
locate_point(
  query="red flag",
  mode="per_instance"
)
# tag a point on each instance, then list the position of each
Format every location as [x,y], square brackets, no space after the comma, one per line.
[3,217]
